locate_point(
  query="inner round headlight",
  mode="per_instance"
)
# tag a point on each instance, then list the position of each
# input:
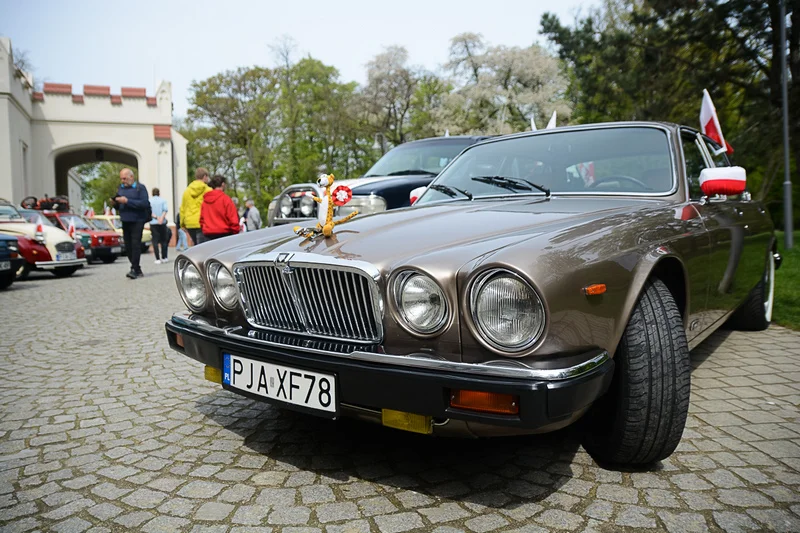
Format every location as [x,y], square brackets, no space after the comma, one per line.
[307,205]
[506,310]
[223,285]
[421,302]
[286,205]
[191,285]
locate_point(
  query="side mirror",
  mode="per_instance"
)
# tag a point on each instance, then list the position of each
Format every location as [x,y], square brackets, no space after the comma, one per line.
[723,181]
[414,195]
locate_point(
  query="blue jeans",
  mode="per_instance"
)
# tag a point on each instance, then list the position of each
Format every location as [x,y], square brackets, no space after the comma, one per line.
[181,245]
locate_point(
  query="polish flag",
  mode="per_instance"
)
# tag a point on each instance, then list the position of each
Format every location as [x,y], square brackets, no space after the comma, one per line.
[709,122]
[71,229]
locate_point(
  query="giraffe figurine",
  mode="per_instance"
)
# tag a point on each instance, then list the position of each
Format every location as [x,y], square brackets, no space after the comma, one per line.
[340,196]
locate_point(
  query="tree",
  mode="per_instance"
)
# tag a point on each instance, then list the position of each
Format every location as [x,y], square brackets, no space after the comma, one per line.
[101,181]
[389,93]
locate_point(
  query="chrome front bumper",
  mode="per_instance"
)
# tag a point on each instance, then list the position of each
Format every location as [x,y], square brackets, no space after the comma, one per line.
[50,265]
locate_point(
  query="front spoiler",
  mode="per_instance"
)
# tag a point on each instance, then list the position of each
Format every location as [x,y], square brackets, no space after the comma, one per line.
[414,384]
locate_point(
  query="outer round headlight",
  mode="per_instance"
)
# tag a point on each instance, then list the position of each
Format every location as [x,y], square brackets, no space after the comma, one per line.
[191,285]
[286,205]
[506,310]
[307,205]
[420,301]
[223,285]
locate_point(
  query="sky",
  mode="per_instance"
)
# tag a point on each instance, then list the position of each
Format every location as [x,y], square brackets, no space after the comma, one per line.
[139,43]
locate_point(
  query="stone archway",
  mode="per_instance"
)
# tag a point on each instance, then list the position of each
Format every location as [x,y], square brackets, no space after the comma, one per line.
[70,157]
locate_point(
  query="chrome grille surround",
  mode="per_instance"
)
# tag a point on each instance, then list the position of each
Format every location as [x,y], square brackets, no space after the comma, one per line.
[65,247]
[309,294]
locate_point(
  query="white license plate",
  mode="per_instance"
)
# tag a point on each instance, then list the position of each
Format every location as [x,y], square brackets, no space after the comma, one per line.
[5,265]
[66,256]
[116,250]
[286,384]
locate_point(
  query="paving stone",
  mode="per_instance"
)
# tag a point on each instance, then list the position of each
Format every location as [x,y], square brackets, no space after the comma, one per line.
[334,512]
[636,517]
[734,522]
[144,498]
[165,524]
[616,493]
[743,498]
[396,523]
[213,511]
[445,512]
[557,519]
[489,522]
[355,526]
[683,522]
[316,494]
[290,515]
[376,505]
[71,525]
[776,519]
[201,489]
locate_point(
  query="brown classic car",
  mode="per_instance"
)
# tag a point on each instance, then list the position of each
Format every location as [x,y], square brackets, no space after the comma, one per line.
[541,278]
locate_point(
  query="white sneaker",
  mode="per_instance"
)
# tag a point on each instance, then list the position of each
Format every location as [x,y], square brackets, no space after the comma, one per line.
[157,261]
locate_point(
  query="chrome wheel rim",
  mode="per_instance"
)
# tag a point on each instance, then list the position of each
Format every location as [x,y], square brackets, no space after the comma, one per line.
[770,283]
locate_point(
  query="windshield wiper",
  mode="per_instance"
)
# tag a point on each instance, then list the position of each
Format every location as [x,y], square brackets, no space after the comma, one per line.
[412,171]
[450,190]
[513,184]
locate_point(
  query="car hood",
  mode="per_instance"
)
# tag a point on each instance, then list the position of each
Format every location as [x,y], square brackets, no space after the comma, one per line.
[460,231]
[26,229]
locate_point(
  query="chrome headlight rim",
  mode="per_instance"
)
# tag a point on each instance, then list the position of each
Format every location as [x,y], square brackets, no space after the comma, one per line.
[478,281]
[182,264]
[397,283]
[212,272]
[283,208]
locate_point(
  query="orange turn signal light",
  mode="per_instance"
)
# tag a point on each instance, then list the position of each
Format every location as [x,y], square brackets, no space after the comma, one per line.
[179,340]
[485,402]
[595,289]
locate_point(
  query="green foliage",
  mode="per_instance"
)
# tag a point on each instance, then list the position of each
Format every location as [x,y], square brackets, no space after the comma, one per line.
[651,60]
[101,182]
[786,311]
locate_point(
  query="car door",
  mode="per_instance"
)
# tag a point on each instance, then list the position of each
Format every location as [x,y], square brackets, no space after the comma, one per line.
[753,234]
[722,229]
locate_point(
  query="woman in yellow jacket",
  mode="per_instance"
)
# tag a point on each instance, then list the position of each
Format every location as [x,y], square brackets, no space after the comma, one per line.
[192,202]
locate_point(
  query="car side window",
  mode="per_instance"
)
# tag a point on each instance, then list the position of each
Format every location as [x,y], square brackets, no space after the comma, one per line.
[695,163]
[720,159]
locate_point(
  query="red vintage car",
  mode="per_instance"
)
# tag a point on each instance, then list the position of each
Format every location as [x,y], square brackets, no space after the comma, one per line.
[104,245]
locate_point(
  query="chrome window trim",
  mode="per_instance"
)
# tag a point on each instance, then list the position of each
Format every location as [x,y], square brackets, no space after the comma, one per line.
[284,259]
[491,368]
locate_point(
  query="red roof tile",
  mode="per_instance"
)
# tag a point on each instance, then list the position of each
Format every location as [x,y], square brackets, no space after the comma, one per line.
[116,99]
[151,101]
[162,132]
[96,90]
[38,97]
[77,98]
[134,92]
[58,88]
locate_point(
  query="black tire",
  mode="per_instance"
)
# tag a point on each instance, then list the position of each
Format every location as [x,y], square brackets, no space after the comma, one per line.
[23,272]
[109,260]
[641,418]
[6,279]
[755,314]
[64,272]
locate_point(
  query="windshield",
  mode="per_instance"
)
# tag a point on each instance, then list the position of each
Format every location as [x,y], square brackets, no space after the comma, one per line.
[101,224]
[76,220]
[34,217]
[9,212]
[411,158]
[621,160]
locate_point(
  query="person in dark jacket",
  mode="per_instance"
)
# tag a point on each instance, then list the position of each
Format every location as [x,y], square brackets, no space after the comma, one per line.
[218,215]
[133,205]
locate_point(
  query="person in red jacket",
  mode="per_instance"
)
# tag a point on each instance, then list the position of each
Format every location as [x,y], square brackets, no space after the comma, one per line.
[218,215]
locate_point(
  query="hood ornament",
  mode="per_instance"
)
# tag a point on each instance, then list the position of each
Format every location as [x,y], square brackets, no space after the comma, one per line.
[340,196]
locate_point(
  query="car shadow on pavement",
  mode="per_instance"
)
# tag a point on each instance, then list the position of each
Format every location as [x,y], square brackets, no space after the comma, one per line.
[707,348]
[501,473]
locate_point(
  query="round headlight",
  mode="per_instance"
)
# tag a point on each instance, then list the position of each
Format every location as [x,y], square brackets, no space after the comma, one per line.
[191,285]
[223,285]
[307,205]
[421,302]
[286,205]
[506,310]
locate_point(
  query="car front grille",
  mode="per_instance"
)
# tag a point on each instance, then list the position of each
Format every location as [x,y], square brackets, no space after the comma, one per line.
[321,300]
[65,247]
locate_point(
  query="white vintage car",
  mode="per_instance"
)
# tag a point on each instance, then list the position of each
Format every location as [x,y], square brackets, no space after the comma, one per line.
[43,246]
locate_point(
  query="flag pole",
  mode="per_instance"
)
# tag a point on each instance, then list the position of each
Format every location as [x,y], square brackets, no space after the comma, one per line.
[787,181]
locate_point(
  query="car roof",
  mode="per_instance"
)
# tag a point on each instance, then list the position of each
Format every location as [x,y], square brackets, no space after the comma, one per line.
[470,139]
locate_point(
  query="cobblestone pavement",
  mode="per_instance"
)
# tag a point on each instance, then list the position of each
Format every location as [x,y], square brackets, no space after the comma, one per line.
[104,428]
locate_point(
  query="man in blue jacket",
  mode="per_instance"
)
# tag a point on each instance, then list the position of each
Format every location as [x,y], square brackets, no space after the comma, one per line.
[133,206]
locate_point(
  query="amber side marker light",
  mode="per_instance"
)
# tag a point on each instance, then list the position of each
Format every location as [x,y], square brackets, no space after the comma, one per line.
[595,289]
[179,340]
[485,402]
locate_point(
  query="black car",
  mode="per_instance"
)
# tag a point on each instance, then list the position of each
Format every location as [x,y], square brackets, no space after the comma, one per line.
[385,186]
[10,260]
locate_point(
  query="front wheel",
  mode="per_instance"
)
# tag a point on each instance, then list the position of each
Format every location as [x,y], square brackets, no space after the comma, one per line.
[64,272]
[6,279]
[641,418]
[755,314]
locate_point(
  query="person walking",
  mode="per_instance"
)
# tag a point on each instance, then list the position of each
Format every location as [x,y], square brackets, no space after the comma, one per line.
[158,226]
[181,245]
[251,216]
[218,215]
[191,203]
[133,206]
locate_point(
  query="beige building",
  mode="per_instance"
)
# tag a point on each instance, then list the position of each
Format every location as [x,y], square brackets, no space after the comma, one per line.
[44,135]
